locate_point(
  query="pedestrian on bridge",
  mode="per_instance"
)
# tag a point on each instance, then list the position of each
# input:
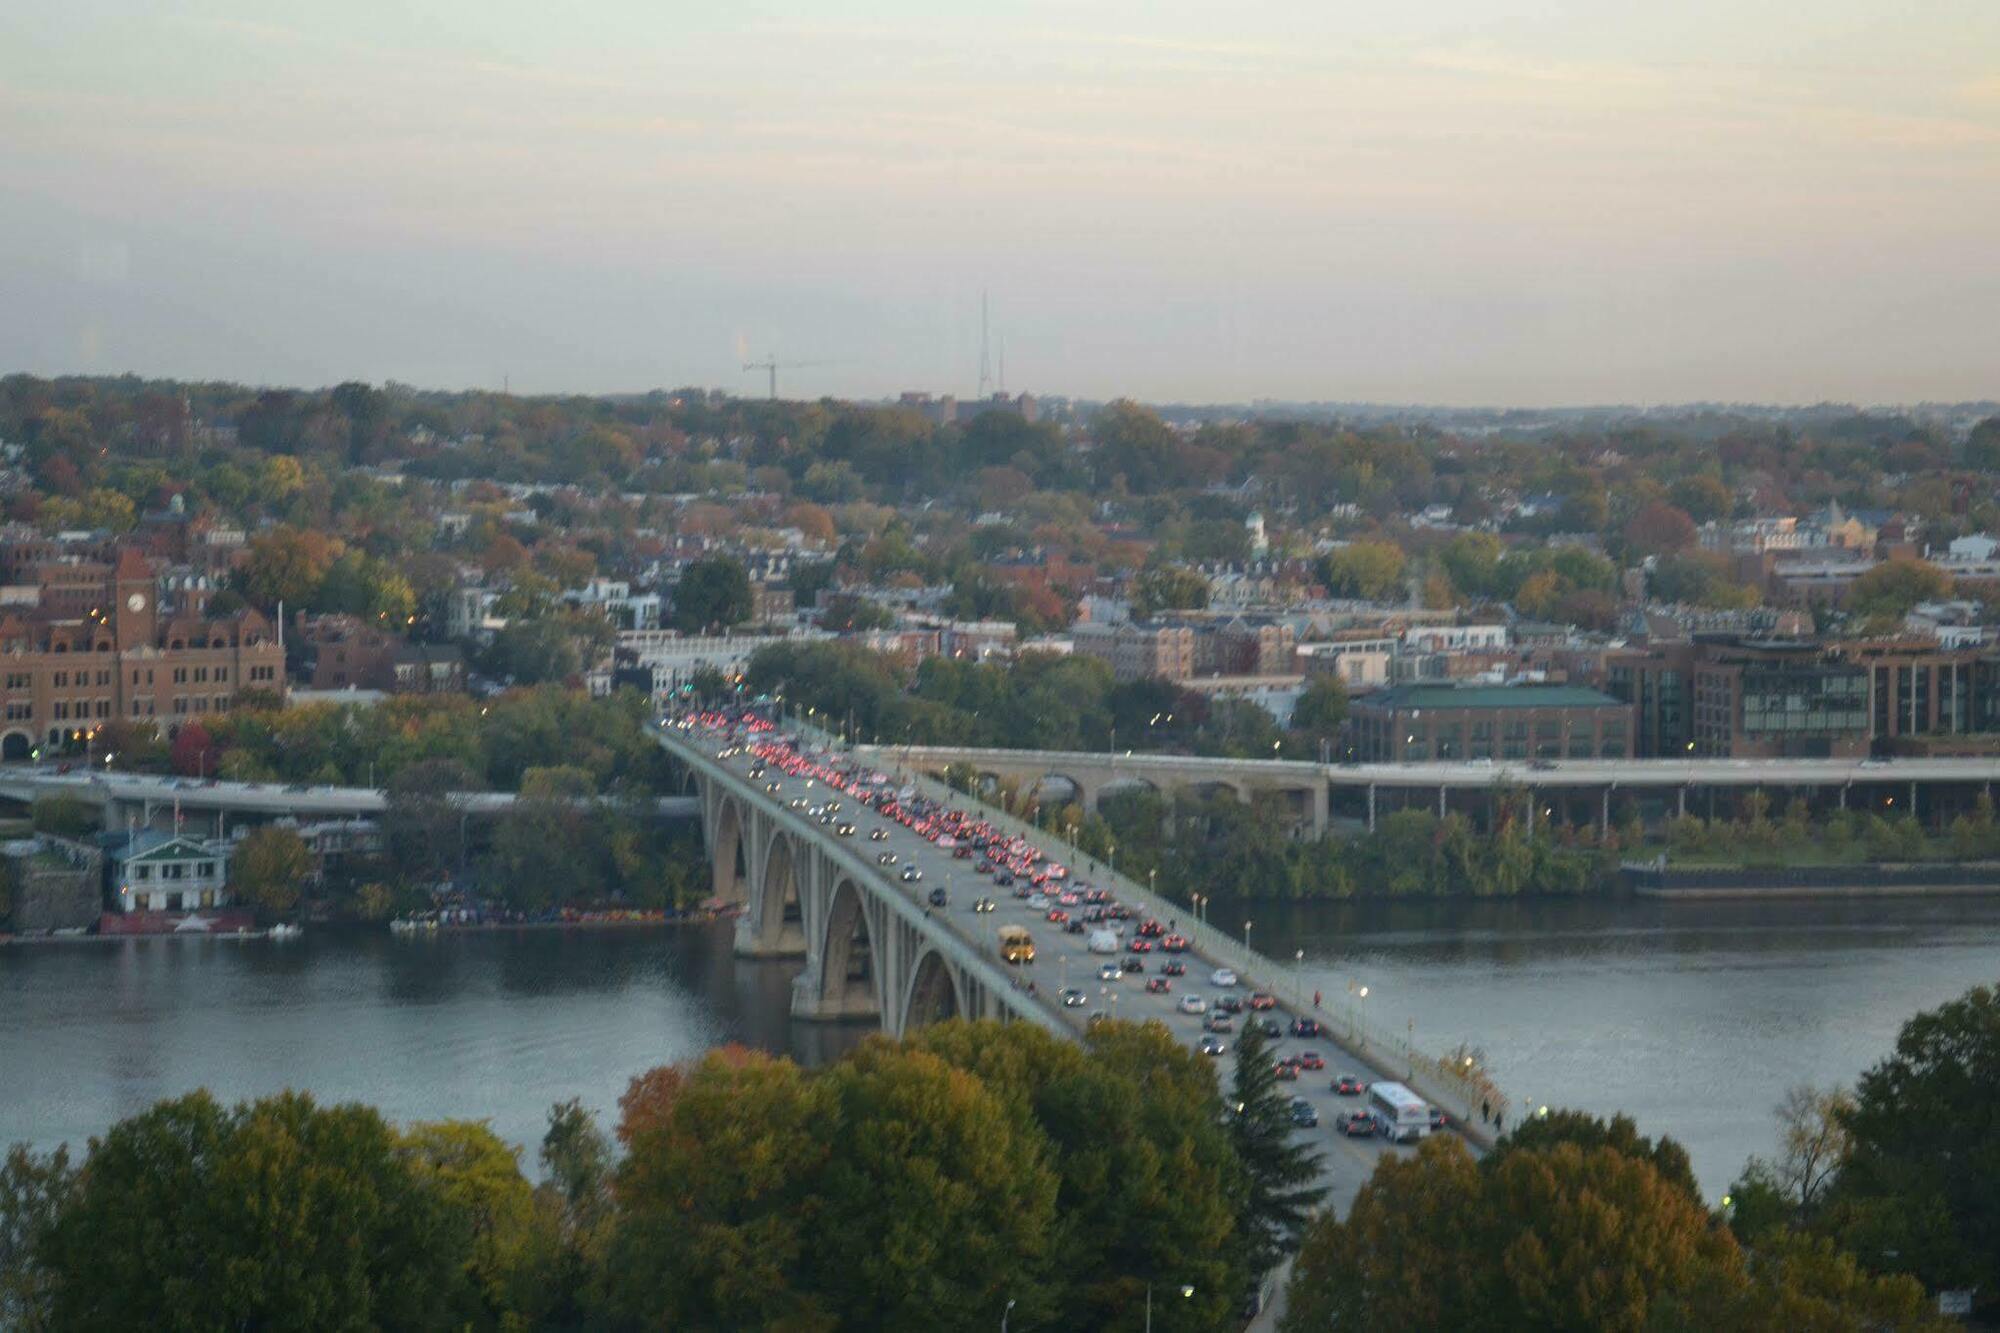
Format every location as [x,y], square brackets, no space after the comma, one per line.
[1315,999]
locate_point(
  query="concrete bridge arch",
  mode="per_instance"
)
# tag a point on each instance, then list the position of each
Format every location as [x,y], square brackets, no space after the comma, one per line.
[935,993]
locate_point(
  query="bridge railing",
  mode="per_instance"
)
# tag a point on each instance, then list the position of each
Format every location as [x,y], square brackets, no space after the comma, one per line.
[1461,1089]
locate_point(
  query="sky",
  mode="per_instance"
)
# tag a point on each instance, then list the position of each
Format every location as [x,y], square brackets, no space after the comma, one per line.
[1451,203]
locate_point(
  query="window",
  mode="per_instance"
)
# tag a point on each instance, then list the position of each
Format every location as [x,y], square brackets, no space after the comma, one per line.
[62,710]
[142,872]
[19,680]
[180,675]
[201,675]
[18,711]
[61,680]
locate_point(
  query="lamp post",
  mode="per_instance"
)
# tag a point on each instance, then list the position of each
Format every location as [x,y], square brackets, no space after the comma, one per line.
[1004,1313]
[1187,1292]
[1246,936]
[1153,882]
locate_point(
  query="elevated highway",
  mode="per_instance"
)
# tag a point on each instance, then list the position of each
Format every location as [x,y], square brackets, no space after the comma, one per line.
[145,795]
[1581,790]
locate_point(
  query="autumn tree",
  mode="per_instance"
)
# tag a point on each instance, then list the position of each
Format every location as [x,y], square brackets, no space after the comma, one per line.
[1169,588]
[287,564]
[1372,571]
[269,867]
[1893,588]
[1659,529]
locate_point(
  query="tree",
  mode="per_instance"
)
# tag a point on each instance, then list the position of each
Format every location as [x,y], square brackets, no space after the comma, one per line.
[287,565]
[1169,588]
[1372,571]
[1620,1134]
[1892,588]
[544,849]
[714,592]
[1321,709]
[422,827]
[34,1189]
[1557,1237]
[534,652]
[1917,1192]
[1280,1171]
[1703,496]
[945,1199]
[1982,447]
[464,1164]
[1813,1146]
[1659,529]
[268,868]
[277,1213]
[721,1160]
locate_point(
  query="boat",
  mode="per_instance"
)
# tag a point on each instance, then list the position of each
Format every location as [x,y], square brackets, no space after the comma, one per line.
[286,930]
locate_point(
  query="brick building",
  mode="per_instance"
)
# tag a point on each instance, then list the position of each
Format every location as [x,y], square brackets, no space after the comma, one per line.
[1139,651]
[1419,723]
[100,648]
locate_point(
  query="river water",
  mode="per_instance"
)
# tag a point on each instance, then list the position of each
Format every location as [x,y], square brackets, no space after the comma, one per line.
[1694,1018]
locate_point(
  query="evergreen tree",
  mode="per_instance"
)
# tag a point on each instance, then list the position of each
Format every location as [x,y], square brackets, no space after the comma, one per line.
[1281,1170]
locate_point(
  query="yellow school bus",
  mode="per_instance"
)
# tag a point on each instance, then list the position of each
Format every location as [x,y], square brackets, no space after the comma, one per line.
[1016,946]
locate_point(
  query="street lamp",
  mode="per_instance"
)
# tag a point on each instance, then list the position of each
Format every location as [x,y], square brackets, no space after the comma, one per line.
[1187,1292]
[1246,937]
[1004,1313]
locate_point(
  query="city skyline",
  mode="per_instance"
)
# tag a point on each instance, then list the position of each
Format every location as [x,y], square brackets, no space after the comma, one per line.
[1485,206]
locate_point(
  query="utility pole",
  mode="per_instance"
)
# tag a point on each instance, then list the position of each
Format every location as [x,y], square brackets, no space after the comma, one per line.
[985,364]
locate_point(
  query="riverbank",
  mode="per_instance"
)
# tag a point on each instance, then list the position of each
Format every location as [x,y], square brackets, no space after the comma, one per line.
[1884,880]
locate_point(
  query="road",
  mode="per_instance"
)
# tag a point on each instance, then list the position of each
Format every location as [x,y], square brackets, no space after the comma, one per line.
[1062,959]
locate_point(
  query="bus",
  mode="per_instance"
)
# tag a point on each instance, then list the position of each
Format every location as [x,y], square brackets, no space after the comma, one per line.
[1400,1115]
[1016,945]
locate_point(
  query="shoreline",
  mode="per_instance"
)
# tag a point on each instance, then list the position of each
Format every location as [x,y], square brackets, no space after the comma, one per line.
[360,927]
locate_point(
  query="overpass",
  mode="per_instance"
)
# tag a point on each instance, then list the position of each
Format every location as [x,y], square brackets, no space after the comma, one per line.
[1575,791]
[146,794]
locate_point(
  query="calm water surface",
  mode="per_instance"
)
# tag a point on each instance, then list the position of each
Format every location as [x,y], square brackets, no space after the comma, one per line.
[1693,1017]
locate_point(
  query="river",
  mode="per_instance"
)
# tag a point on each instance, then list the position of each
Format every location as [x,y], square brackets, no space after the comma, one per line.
[1693,1017]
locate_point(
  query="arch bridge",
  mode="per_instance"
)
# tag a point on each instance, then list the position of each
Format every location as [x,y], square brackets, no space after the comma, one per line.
[871,950]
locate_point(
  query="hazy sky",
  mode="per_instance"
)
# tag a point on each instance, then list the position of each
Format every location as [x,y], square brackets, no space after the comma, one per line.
[1444,202]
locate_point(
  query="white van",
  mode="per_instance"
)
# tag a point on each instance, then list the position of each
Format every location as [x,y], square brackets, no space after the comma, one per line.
[1103,941]
[1400,1115]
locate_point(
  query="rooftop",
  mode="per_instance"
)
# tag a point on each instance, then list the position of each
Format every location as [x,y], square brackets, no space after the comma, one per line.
[1488,696]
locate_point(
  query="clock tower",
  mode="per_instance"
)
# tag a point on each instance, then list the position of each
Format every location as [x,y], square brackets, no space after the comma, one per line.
[134,617]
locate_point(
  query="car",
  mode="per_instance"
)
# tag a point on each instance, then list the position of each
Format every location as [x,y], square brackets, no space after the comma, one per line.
[1261,1000]
[911,874]
[1212,1046]
[1271,1027]
[1142,945]
[1149,928]
[1193,1004]
[878,835]
[885,858]
[1109,972]
[1037,903]
[1135,964]
[1173,967]
[1219,1022]
[1311,1060]
[1439,1121]
[1222,976]
[1285,1070]
[797,803]
[983,868]
[1175,944]
[1056,916]
[771,788]
[1357,1125]
[1073,998]
[1004,879]
[938,895]
[1305,1027]
[982,904]
[845,830]
[1347,1085]
[1229,1004]
[1157,985]
[1074,928]
[1303,1114]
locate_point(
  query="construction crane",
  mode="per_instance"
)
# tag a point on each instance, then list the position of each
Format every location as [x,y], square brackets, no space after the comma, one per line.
[772,365]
